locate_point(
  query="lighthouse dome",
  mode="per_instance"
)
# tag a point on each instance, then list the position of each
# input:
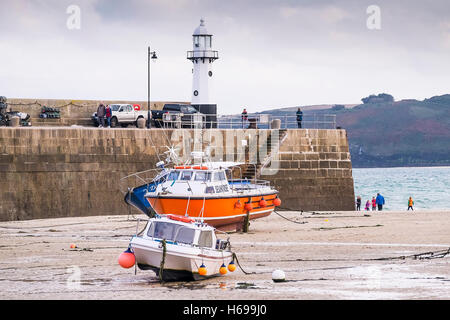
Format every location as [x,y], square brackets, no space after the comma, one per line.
[201,29]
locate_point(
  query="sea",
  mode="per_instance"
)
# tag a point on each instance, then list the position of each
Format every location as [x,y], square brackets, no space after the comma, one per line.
[428,186]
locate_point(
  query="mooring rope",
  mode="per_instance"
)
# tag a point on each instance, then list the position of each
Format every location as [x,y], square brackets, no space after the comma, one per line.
[163,260]
[290,219]
[239,265]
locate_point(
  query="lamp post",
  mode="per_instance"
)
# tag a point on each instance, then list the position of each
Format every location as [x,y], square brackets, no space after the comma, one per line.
[151,55]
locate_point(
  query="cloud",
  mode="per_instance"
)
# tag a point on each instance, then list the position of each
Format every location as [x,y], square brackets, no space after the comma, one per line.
[272,53]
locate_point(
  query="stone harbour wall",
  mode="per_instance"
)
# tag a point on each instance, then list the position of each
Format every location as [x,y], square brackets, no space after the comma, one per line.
[48,172]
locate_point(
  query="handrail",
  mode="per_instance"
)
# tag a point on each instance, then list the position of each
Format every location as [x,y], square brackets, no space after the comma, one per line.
[252,121]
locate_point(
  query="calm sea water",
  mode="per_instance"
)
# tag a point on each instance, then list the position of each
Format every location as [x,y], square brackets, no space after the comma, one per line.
[428,186]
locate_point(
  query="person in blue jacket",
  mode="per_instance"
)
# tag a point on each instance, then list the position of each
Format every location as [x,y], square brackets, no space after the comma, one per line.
[380,201]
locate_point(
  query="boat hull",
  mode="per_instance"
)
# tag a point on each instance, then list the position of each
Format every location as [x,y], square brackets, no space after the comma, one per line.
[181,263]
[217,212]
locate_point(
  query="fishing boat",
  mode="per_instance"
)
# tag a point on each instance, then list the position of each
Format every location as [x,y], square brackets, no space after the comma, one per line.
[206,191]
[178,248]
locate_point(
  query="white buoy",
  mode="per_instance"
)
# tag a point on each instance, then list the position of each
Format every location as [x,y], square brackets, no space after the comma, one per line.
[278,276]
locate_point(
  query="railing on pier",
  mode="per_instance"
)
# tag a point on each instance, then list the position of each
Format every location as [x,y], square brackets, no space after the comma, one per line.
[252,121]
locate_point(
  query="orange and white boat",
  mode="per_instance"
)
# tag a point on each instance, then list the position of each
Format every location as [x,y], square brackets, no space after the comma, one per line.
[206,192]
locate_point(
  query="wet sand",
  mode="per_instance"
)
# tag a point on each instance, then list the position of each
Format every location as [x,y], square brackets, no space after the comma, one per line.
[328,255]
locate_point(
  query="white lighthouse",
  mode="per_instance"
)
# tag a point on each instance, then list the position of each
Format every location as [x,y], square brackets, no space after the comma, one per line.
[202,57]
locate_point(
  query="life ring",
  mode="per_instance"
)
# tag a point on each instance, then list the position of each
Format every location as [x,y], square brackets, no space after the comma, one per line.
[136,107]
[180,218]
[200,168]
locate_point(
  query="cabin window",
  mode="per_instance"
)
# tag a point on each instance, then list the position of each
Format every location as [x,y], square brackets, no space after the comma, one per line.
[186,175]
[171,232]
[205,239]
[196,41]
[219,176]
[173,175]
[185,235]
[202,176]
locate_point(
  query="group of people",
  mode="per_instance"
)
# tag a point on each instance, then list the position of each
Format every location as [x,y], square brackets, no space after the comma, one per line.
[375,203]
[298,114]
[378,202]
[102,114]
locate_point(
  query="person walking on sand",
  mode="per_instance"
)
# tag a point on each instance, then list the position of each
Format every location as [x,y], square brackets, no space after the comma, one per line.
[358,203]
[379,201]
[101,115]
[367,205]
[410,203]
[374,204]
[244,117]
[299,114]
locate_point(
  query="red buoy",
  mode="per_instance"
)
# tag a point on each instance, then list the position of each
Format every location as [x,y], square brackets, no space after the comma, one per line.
[262,203]
[127,259]
[277,201]
[248,206]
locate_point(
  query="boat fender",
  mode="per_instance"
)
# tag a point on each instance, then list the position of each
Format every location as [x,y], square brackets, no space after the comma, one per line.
[238,204]
[262,203]
[223,269]
[231,266]
[202,270]
[127,259]
[277,201]
[248,206]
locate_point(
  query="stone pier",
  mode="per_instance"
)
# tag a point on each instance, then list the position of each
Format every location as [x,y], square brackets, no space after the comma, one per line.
[48,172]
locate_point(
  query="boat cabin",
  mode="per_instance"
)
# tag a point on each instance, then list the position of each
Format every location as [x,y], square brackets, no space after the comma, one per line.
[181,230]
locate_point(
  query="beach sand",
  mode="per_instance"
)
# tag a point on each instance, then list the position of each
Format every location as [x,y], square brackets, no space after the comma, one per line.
[325,255]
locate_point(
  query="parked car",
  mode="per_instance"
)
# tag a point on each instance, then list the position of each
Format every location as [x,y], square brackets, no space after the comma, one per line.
[123,114]
[172,111]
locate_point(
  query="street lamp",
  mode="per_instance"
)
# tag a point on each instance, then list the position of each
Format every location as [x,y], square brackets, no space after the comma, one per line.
[151,55]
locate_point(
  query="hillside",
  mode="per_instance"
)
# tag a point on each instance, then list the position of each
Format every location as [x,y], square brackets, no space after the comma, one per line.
[384,133]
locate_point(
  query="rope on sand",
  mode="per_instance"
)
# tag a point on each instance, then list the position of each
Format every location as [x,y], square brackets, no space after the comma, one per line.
[290,219]
[240,267]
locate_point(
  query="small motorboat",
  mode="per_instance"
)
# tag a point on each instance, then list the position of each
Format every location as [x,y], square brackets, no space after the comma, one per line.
[177,248]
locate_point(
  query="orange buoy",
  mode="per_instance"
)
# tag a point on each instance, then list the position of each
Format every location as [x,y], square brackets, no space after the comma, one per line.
[276,201]
[223,269]
[262,203]
[231,266]
[73,246]
[127,259]
[248,206]
[238,204]
[202,270]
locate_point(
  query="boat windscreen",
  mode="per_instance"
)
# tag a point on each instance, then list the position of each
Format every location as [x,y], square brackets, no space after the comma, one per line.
[171,232]
[202,176]
[186,175]
[173,175]
[219,176]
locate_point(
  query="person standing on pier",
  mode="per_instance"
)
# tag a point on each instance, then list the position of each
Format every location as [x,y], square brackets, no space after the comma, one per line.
[101,115]
[410,203]
[379,201]
[108,115]
[244,117]
[299,114]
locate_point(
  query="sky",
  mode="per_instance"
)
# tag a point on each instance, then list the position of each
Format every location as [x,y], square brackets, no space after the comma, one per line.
[272,54]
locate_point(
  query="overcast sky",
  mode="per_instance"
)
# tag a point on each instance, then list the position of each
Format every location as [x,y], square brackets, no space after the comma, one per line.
[272,53]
